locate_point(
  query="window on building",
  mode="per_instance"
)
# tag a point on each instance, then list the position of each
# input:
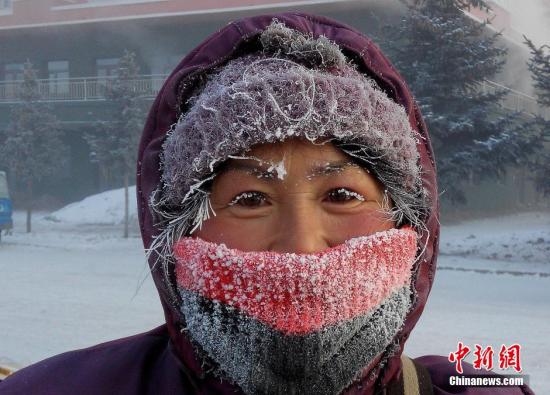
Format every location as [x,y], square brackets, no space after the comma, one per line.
[58,77]
[106,67]
[12,72]
[6,5]
[170,63]
[161,68]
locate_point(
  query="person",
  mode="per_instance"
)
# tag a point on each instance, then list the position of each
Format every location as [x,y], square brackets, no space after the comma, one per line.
[288,206]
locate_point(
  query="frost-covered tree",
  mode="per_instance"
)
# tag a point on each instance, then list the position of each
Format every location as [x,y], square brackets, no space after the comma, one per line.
[462,4]
[115,143]
[32,148]
[539,65]
[445,56]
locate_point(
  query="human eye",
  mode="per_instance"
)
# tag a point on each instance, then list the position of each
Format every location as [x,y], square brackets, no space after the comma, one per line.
[249,199]
[344,195]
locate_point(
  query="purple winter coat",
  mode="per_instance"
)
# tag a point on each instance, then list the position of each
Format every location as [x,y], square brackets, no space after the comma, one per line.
[162,361]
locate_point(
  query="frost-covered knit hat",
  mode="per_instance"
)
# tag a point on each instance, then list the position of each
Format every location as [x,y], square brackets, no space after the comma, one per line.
[295,86]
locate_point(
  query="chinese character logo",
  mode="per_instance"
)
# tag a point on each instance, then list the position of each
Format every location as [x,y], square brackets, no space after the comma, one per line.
[484,357]
[509,357]
[459,355]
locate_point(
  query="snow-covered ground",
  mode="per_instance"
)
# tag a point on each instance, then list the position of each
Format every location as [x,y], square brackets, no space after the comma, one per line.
[105,208]
[72,283]
[521,237]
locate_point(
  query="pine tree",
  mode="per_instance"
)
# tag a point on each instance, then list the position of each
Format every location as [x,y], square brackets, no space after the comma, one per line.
[445,57]
[539,65]
[462,4]
[32,148]
[115,143]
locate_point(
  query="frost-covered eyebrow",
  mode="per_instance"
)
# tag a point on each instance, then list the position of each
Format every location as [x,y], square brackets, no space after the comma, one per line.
[328,168]
[258,170]
[266,171]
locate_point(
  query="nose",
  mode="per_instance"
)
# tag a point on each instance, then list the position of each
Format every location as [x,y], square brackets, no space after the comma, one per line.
[300,231]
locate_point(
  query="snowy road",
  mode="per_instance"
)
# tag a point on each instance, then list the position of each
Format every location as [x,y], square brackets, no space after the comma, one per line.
[65,287]
[69,296]
[490,310]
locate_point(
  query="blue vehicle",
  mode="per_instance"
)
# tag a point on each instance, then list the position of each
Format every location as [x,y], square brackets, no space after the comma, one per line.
[6,221]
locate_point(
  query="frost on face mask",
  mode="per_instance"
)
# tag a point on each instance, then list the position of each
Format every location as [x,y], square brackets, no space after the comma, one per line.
[283,323]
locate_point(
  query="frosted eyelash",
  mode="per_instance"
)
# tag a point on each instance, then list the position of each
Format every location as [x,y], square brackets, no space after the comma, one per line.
[241,196]
[351,193]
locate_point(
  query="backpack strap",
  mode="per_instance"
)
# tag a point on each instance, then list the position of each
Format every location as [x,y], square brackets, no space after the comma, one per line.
[6,370]
[410,377]
[415,380]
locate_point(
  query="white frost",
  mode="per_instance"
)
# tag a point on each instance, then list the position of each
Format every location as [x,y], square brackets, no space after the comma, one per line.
[279,168]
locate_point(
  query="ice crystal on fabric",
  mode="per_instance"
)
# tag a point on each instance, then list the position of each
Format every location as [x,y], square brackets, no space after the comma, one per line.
[300,293]
[261,360]
[283,323]
[254,100]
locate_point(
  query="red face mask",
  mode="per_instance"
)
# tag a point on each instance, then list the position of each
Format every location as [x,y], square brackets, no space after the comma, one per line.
[245,308]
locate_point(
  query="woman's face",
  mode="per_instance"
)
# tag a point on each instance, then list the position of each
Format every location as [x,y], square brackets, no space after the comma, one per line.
[293,196]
